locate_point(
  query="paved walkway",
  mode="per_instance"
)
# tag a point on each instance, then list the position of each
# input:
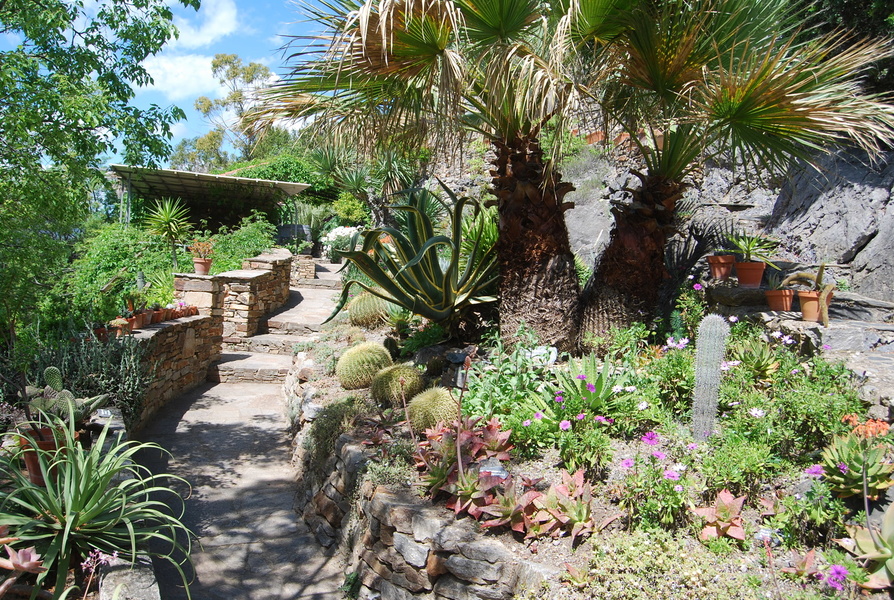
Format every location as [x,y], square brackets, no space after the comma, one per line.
[231,442]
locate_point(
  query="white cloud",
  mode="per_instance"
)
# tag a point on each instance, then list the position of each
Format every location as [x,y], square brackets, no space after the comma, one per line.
[216,19]
[182,77]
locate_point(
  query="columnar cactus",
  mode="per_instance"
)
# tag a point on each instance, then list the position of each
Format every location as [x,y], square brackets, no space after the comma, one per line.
[709,349]
[433,406]
[359,364]
[386,386]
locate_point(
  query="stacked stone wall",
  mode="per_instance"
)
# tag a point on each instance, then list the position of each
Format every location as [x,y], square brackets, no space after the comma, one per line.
[179,354]
[303,267]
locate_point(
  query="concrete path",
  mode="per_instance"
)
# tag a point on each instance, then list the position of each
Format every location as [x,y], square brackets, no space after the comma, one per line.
[231,442]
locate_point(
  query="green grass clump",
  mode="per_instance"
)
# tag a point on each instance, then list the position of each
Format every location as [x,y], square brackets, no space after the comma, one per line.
[432,407]
[386,388]
[359,364]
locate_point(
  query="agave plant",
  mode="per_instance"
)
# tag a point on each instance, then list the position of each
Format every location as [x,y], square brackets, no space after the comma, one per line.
[420,271]
[876,547]
[94,499]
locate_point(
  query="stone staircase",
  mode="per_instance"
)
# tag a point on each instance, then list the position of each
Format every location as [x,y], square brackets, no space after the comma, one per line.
[267,357]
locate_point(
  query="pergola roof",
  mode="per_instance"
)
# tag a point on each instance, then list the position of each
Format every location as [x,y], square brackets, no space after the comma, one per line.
[152,184]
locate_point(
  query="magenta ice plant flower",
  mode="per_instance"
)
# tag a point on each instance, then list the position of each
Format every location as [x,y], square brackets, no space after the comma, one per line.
[560,399]
[697,287]
[650,438]
[581,417]
[659,454]
[526,423]
[581,376]
[671,474]
[538,415]
[627,463]
[565,425]
[814,471]
[843,468]
[591,387]
[692,446]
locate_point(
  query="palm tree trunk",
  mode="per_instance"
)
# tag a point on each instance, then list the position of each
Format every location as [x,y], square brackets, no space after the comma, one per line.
[538,281]
[626,282]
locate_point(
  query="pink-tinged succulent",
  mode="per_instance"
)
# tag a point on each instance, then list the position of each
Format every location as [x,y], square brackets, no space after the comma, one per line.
[26,560]
[802,566]
[724,519]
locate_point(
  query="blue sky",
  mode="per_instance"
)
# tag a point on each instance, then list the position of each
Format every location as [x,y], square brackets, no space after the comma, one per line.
[182,71]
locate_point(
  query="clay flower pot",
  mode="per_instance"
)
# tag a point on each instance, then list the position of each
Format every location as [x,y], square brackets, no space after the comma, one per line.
[810,308]
[201,265]
[32,463]
[750,274]
[721,266]
[780,299]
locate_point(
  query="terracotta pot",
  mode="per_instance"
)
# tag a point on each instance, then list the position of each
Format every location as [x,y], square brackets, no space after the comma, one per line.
[780,299]
[32,463]
[721,266]
[810,308]
[167,315]
[750,274]
[158,316]
[101,333]
[202,265]
[134,323]
[147,318]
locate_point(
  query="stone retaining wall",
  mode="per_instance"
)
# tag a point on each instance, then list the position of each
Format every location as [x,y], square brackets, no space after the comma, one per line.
[179,353]
[399,545]
[303,267]
[242,297]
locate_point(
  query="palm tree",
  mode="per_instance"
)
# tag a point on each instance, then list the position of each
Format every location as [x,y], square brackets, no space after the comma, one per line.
[697,77]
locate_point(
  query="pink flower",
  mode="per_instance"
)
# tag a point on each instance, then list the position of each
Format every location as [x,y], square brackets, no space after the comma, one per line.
[526,423]
[565,425]
[626,463]
[560,399]
[581,417]
[815,471]
[659,455]
[602,419]
[678,488]
[650,439]
[591,387]
[692,446]
[581,376]
[733,319]
[671,474]
[697,287]
[538,415]
[27,560]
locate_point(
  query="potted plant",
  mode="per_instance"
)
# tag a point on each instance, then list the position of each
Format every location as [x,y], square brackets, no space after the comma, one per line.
[122,325]
[721,266]
[778,297]
[158,313]
[53,401]
[201,255]
[754,250]
[814,301]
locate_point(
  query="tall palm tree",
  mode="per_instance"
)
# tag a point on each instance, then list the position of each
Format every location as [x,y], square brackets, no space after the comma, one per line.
[697,76]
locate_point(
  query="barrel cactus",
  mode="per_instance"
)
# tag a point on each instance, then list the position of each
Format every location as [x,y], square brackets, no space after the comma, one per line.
[367,310]
[433,406]
[386,386]
[709,349]
[359,364]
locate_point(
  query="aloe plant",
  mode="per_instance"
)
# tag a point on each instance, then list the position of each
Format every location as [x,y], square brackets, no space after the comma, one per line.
[875,546]
[420,271]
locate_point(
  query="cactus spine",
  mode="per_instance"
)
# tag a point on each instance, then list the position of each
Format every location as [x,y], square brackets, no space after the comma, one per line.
[359,364]
[709,349]
[433,406]
[386,389]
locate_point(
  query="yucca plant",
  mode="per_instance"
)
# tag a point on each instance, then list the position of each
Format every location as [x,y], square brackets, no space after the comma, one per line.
[94,499]
[416,269]
[169,218]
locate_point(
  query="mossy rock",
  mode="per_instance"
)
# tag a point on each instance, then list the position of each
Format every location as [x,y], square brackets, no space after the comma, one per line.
[359,364]
[367,310]
[386,389]
[433,406]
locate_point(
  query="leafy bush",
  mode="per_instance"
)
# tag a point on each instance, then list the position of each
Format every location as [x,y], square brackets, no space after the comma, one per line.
[97,499]
[254,235]
[737,464]
[330,423]
[351,210]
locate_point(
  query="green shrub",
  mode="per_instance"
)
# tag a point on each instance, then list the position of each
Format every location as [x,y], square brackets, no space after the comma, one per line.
[386,388]
[431,407]
[589,449]
[99,498]
[330,423]
[254,235]
[737,464]
[359,364]
[351,210]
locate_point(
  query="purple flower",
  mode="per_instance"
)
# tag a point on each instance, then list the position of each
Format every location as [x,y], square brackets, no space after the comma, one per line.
[538,415]
[726,365]
[617,389]
[650,439]
[630,388]
[581,417]
[794,371]
[591,387]
[659,455]
[827,347]
[733,319]
[626,463]
[601,419]
[581,376]
[814,471]
[671,474]
[526,423]
[787,339]
[836,577]
[678,488]
[697,287]
[757,413]
[560,399]
[565,425]
[843,468]
[692,446]
[776,334]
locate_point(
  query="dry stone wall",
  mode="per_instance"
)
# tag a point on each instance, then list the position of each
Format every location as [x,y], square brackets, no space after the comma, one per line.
[179,352]
[303,267]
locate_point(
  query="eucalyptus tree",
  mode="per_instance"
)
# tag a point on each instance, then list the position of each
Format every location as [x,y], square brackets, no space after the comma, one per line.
[685,79]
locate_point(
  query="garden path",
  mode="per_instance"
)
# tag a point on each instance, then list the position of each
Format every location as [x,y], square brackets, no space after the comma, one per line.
[231,442]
